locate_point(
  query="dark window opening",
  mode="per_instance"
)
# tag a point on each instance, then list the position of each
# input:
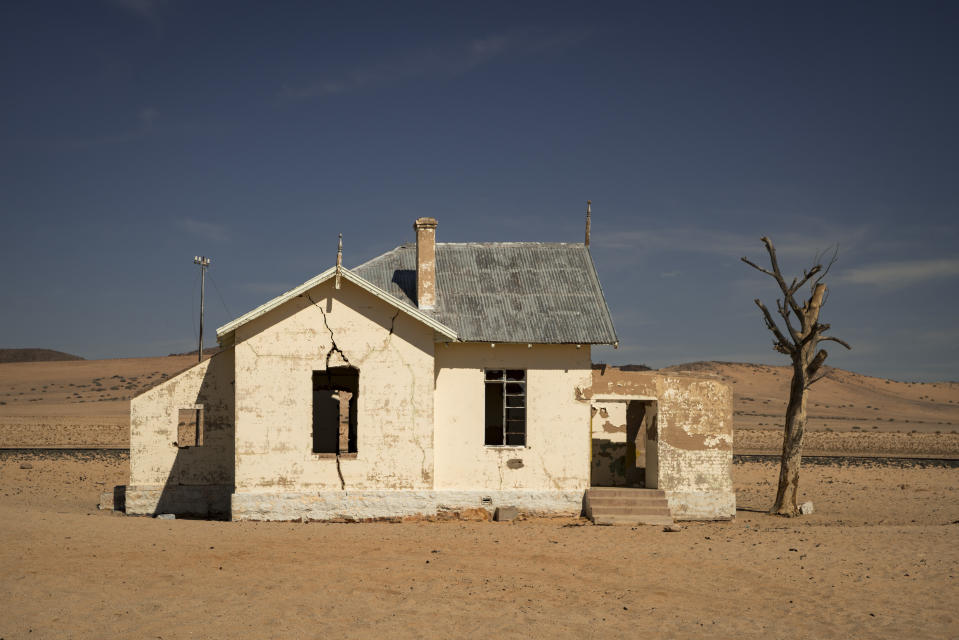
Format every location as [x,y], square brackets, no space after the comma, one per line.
[189,427]
[335,393]
[505,407]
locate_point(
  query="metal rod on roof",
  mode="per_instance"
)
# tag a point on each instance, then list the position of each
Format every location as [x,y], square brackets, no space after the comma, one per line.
[204,262]
[339,260]
[588,202]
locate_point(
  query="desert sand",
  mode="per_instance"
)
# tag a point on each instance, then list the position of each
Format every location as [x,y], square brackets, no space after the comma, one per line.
[878,559]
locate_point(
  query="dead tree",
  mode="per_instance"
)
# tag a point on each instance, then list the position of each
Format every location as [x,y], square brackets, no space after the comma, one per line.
[801,344]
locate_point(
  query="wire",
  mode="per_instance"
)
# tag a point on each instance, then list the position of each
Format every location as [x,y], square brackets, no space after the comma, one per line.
[193,320]
[220,296]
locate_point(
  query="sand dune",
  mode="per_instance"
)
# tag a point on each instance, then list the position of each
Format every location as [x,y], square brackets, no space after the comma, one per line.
[87,403]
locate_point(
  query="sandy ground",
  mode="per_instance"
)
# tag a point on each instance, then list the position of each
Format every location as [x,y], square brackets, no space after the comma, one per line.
[878,559]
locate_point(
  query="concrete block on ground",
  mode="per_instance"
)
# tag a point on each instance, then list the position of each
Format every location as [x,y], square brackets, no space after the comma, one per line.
[504,514]
[806,508]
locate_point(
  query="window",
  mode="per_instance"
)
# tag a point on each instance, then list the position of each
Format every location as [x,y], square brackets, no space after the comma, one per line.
[335,392]
[189,427]
[506,407]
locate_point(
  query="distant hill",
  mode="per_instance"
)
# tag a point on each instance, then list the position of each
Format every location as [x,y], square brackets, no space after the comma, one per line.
[35,355]
[841,401]
[209,351]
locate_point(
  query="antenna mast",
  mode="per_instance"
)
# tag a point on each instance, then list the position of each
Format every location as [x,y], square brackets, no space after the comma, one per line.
[204,262]
[588,202]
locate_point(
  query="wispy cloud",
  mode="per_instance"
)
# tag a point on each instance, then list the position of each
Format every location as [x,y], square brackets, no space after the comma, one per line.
[206,230]
[450,60]
[148,116]
[145,119]
[721,242]
[894,275]
[146,9]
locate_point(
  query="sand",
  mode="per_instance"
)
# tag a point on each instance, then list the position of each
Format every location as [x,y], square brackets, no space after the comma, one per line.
[878,559]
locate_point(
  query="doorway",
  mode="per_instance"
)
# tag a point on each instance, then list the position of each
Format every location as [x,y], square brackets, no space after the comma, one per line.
[623,442]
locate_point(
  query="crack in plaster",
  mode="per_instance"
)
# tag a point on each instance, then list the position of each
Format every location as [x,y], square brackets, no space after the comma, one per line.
[334,348]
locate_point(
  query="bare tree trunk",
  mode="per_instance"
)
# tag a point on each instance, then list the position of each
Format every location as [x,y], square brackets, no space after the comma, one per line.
[800,344]
[795,432]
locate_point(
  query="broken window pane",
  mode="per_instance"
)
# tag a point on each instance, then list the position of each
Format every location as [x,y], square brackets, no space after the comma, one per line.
[505,407]
[494,413]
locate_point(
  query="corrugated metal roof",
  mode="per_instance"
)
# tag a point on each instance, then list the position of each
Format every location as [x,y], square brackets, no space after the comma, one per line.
[534,292]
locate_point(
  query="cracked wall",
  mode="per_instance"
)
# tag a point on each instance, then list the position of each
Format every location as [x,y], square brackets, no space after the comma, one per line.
[276,355]
[694,436]
[556,455]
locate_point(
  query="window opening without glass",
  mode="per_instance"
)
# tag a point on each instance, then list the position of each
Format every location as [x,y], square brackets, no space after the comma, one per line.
[335,394]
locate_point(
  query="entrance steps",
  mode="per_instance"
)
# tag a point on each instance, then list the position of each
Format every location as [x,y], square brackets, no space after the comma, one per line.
[622,505]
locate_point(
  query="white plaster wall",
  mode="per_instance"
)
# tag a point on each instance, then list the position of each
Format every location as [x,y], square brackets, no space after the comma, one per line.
[276,355]
[161,473]
[556,455]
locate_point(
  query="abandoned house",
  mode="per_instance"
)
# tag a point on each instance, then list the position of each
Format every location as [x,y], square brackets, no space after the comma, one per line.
[435,377]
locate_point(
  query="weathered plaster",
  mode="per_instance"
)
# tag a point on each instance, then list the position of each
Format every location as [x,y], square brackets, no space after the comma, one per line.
[556,455]
[276,355]
[688,445]
[166,473]
[361,505]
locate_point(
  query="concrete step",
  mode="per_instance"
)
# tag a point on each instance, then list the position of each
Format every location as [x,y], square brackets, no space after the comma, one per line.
[630,511]
[620,502]
[625,491]
[624,505]
[632,520]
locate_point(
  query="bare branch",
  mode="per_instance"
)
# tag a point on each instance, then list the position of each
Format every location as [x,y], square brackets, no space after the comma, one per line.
[757,267]
[834,339]
[815,380]
[781,345]
[796,286]
[777,274]
[816,362]
[832,261]
[784,312]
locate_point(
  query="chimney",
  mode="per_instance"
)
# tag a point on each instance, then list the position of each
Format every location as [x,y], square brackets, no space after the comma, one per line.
[425,262]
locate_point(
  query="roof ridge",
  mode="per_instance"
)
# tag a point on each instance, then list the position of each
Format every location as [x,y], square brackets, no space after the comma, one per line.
[512,242]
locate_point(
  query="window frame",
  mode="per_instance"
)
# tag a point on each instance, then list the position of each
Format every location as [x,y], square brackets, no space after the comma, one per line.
[513,384]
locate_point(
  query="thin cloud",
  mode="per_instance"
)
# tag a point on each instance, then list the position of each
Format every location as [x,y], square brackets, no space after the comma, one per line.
[206,230]
[699,240]
[146,9]
[148,116]
[894,275]
[446,61]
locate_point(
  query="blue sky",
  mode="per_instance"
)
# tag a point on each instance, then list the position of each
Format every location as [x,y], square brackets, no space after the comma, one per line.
[135,134]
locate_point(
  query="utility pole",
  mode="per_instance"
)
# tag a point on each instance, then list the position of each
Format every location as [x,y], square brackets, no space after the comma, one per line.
[204,262]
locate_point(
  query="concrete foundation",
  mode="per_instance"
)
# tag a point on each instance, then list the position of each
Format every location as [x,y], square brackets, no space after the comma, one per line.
[701,505]
[361,505]
[200,500]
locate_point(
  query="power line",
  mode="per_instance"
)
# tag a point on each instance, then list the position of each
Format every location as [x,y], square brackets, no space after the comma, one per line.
[220,296]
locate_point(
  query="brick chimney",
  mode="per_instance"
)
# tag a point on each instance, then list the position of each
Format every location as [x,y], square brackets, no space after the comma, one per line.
[425,262]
